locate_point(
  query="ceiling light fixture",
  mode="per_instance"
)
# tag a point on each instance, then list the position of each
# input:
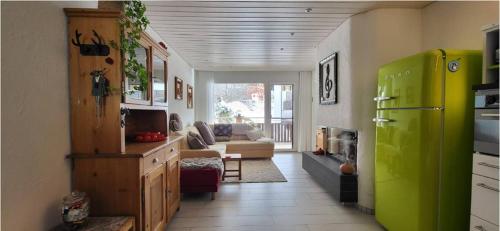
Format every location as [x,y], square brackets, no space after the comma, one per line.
[308,10]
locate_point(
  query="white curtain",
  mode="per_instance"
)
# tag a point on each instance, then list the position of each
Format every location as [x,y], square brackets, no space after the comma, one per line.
[210,99]
[204,100]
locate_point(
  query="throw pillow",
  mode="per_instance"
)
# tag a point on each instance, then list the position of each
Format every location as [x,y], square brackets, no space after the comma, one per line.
[255,134]
[205,132]
[223,129]
[195,141]
[241,129]
[175,123]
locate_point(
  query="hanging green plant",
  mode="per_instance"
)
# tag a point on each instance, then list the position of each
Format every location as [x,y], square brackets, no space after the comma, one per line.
[133,23]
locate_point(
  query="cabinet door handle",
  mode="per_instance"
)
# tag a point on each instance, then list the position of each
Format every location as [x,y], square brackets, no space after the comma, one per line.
[155,160]
[172,150]
[487,187]
[479,227]
[488,165]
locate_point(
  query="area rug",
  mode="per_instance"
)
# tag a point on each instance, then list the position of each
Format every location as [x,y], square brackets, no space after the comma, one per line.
[255,171]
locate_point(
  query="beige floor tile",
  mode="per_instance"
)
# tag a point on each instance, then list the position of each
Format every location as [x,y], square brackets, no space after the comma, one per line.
[256,228]
[297,205]
[346,227]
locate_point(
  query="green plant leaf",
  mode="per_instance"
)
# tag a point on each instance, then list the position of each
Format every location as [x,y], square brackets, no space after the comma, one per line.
[132,25]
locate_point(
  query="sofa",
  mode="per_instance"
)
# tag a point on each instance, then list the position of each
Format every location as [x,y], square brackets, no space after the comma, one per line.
[238,143]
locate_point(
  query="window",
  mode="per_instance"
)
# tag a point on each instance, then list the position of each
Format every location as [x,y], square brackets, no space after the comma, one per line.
[239,103]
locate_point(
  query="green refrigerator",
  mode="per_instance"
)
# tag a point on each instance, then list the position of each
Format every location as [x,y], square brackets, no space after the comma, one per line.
[424,139]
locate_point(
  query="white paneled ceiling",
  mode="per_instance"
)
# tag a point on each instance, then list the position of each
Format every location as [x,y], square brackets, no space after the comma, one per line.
[252,35]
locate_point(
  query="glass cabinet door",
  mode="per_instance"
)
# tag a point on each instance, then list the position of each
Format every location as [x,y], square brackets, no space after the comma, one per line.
[159,80]
[134,93]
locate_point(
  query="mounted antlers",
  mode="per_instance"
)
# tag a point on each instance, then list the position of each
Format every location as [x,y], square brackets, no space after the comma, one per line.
[98,38]
[77,39]
[99,48]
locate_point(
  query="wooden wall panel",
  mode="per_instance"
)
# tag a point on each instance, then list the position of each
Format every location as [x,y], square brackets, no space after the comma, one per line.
[91,133]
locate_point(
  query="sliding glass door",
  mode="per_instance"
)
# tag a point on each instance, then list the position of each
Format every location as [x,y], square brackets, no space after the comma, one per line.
[282,116]
[266,107]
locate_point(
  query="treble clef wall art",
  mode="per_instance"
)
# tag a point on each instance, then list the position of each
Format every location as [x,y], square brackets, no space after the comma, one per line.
[328,80]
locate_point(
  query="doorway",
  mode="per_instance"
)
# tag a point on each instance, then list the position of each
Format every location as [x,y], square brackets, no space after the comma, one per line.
[282,116]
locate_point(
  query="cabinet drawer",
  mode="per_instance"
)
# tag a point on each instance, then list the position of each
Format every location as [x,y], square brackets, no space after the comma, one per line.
[154,160]
[485,165]
[485,198]
[172,150]
[172,159]
[477,224]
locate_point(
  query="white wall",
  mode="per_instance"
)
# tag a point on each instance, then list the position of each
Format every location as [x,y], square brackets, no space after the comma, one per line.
[457,25]
[379,36]
[340,114]
[298,79]
[35,113]
[363,43]
[177,66]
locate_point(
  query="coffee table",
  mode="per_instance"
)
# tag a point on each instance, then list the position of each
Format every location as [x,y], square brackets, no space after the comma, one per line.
[231,157]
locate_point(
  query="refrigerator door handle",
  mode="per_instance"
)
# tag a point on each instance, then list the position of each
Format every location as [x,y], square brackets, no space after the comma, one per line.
[383,98]
[378,120]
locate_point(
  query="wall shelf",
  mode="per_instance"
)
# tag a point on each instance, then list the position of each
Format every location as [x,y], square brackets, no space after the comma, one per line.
[490,64]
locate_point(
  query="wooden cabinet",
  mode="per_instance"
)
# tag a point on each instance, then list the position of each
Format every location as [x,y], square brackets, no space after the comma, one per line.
[484,195]
[133,94]
[154,58]
[121,177]
[173,192]
[106,124]
[155,206]
[159,78]
[144,183]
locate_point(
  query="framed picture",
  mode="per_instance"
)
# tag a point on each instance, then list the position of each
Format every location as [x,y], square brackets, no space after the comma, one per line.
[189,96]
[178,88]
[328,80]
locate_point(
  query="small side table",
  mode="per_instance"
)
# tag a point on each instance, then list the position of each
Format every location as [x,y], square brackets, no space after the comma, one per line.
[231,157]
[103,224]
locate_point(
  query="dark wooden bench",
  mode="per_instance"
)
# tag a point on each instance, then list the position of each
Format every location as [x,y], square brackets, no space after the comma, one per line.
[326,171]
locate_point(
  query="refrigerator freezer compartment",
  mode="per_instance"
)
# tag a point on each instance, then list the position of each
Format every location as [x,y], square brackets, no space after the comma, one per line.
[412,82]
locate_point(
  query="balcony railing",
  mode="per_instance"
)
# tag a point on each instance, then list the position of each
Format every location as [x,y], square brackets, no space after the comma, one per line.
[280,132]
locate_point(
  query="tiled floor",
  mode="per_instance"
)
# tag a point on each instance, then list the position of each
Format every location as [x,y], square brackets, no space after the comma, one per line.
[297,205]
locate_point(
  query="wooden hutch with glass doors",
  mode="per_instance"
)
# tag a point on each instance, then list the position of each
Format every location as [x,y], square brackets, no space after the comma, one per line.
[120,175]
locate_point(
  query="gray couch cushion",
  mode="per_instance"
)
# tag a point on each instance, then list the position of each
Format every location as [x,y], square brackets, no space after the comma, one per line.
[205,132]
[195,141]
[222,138]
